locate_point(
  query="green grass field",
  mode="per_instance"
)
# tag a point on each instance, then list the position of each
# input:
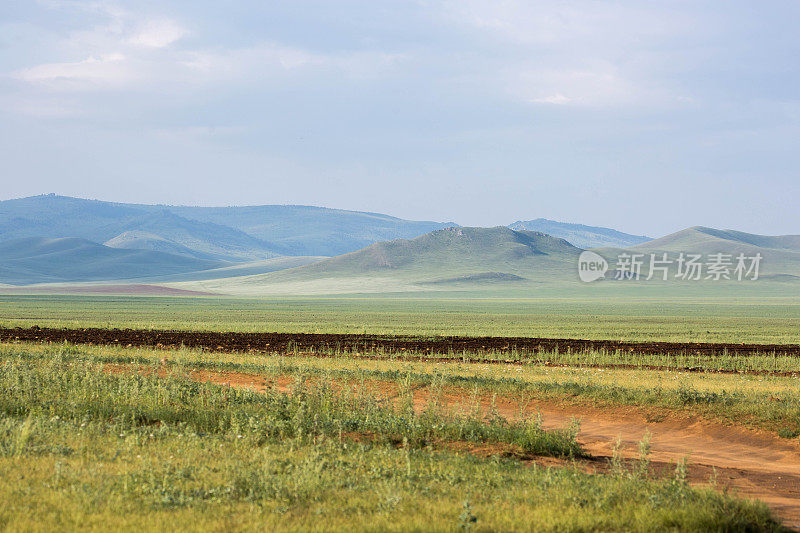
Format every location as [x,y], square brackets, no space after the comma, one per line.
[745,319]
[148,446]
[765,402]
[81,447]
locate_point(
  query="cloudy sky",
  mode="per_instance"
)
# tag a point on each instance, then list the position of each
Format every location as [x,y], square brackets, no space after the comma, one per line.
[645,116]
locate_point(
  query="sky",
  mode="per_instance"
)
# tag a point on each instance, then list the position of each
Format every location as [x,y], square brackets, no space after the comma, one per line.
[644,116]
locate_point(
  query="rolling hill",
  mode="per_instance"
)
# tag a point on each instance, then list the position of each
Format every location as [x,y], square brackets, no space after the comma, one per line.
[142,240]
[226,233]
[248,268]
[41,260]
[514,262]
[451,258]
[580,235]
[781,254]
[710,240]
[454,250]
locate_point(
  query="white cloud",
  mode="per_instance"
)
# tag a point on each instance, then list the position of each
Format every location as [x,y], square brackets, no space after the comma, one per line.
[268,60]
[593,85]
[224,63]
[158,33]
[115,50]
[576,52]
[107,70]
[121,49]
[556,99]
[118,28]
[565,53]
[559,22]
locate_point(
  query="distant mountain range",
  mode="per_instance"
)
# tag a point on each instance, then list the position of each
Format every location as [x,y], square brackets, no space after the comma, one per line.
[241,233]
[301,249]
[220,233]
[580,235]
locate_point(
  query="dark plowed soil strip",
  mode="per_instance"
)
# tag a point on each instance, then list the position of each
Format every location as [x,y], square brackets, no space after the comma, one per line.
[384,344]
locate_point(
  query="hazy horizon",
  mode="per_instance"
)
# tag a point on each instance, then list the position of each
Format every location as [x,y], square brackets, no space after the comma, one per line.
[575,222]
[644,118]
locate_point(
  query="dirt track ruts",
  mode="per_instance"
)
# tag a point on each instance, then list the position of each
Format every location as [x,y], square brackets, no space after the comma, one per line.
[755,464]
[388,344]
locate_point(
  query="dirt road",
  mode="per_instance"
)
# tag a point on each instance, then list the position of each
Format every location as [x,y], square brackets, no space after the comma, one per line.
[755,464]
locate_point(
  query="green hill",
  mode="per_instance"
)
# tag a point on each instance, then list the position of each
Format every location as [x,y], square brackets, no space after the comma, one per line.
[780,254]
[249,268]
[40,260]
[142,240]
[228,233]
[454,251]
[702,239]
[580,235]
[507,262]
[450,258]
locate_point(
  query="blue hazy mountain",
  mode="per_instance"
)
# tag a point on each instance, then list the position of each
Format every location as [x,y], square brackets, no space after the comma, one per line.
[580,235]
[227,233]
[43,260]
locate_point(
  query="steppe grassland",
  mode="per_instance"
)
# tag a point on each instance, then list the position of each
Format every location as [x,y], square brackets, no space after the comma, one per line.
[762,401]
[80,446]
[756,319]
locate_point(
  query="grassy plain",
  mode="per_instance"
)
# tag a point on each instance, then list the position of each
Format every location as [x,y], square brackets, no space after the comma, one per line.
[767,402]
[756,319]
[82,447]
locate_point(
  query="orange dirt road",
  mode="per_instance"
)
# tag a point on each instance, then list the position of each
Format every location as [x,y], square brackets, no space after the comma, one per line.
[756,464]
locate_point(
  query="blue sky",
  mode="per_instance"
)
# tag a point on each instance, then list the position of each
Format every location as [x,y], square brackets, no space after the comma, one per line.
[644,116]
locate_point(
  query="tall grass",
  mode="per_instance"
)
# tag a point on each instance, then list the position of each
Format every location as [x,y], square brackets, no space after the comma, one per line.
[771,403]
[153,478]
[84,449]
[84,392]
[764,362]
